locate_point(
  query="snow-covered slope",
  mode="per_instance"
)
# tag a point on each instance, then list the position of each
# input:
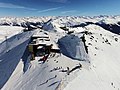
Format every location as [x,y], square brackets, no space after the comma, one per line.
[51,25]
[72,46]
[89,55]
[58,21]
[11,55]
[104,71]
[8,31]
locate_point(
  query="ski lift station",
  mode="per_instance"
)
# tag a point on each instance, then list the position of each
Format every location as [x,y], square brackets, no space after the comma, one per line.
[41,44]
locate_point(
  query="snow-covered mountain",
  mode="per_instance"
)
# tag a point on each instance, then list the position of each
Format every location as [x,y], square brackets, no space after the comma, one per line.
[89,53]
[60,20]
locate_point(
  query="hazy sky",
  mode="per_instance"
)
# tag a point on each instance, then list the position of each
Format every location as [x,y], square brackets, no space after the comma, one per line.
[59,7]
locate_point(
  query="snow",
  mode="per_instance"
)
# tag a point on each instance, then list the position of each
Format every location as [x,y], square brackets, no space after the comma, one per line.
[52,26]
[99,68]
[33,78]
[12,42]
[9,31]
[11,58]
[44,38]
[103,73]
[22,20]
[77,30]
[40,76]
[72,46]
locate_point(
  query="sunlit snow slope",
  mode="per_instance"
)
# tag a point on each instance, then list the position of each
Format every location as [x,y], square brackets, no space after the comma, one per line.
[89,57]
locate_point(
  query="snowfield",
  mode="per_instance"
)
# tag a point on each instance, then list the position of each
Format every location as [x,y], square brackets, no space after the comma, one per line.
[8,31]
[89,55]
[103,73]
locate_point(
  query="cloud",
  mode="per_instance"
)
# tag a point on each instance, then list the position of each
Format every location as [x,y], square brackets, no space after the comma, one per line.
[59,1]
[9,5]
[50,9]
[69,11]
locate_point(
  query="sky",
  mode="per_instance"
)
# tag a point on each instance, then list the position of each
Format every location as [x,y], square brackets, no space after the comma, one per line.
[21,8]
